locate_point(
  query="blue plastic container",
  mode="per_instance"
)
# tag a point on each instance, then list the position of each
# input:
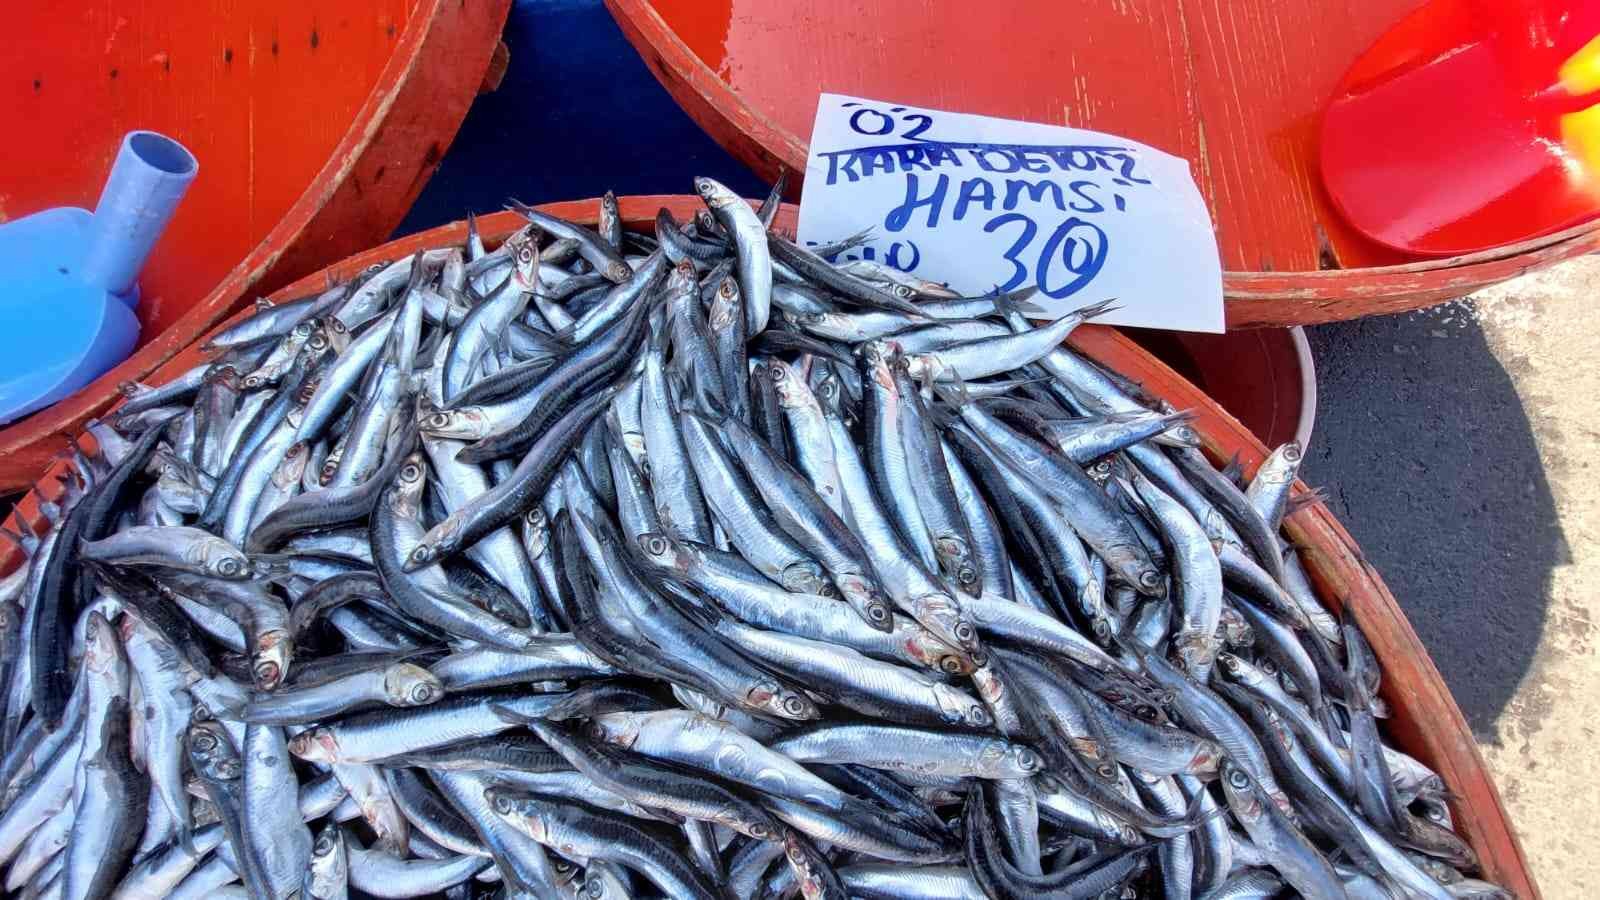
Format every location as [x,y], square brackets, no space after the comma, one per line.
[69,278]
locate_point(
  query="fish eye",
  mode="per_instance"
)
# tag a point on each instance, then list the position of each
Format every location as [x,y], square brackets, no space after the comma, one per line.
[1027,759]
[964,632]
[760,831]
[411,472]
[1292,452]
[794,706]
[966,576]
[979,716]
[877,612]
[502,803]
[656,545]
[204,741]
[1150,578]
[228,567]
[324,845]
[267,672]
[422,693]
[421,554]
[950,665]
[1106,770]
[1238,779]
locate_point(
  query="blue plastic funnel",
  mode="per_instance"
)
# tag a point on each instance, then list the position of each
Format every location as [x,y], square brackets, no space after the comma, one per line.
[69,278]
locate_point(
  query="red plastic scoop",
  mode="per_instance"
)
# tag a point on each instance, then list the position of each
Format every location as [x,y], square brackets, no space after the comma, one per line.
[1469,125]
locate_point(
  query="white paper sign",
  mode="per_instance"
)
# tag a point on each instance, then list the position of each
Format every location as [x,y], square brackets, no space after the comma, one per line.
[979,203]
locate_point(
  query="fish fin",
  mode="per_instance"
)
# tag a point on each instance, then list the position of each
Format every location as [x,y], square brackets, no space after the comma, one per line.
[954,392]
[1234,470]
[1301,501]
[1019,302]
[511,716]
[704,614]
[1094,310]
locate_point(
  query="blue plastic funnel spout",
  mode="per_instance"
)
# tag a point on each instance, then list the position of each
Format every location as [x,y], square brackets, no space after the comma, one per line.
[149,177]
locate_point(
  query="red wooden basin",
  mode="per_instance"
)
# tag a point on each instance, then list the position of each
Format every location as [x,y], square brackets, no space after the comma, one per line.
[1425,720]
[316,125]
[1237,88]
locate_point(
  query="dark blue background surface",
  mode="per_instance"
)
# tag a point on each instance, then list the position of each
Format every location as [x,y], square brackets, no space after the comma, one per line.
[577,114]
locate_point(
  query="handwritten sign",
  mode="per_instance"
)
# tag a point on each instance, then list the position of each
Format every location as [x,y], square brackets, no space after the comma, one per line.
[980,203]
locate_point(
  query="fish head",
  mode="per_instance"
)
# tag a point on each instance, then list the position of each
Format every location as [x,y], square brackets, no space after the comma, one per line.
[1232,667]
[318,342]
[941,614]
[771,697]
[1196,652]
[1207,760]
[868,601]
[621,728]
[804,866]
[462,423]
[877,357]
[525,812]
[523,248]
[535,532]
[406,684]
[219,559]
[1243,797]
[805,578]
[933,652]
[319,744]
[211,752]
[663,551]
[270,661]
[338,333]
[292,468]
[405,494]
[715,195]
[957,562]
[728,305]
[328,871]
[102,651]
[1236,632]
[959,708]
[1025,759]
[785,384]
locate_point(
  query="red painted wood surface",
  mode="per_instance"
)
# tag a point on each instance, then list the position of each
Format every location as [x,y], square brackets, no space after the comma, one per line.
[1425,722]
[1236,88]
[316,125]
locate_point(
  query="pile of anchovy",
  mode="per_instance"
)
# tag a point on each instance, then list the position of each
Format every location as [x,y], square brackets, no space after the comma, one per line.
[606,565]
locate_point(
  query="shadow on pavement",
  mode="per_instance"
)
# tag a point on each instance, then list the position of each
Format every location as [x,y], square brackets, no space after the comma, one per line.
[1429,460]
